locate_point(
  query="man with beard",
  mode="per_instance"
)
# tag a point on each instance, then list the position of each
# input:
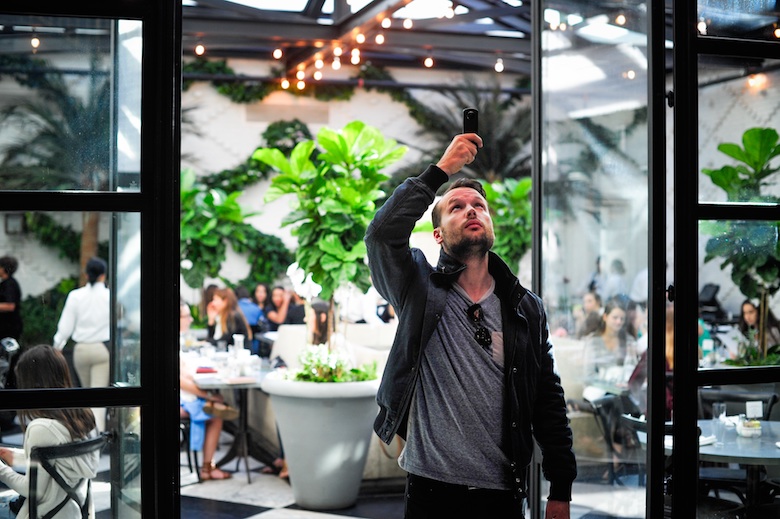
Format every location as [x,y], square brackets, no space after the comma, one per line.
[470,379]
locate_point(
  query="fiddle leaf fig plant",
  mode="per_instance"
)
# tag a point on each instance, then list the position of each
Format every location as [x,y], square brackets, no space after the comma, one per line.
[750,248]
[335,180]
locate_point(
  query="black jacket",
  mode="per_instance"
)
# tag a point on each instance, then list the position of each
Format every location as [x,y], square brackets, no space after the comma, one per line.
[418,292]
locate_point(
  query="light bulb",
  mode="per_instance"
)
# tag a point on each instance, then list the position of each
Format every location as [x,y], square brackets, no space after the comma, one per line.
[379,39]
[499,65]
[356,52]
[777,33]
[408,23]
[355,59]
[301,85]
[428,62]
[317,75]
[337,51]
[620,19]
[300,74]
[200,49]
[35,42]
[360,38]
[285,84]
[318,64]
[277,54]
[336,64]
[386,23]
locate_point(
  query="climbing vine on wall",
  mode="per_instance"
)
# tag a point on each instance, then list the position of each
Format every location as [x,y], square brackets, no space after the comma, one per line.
[60,237]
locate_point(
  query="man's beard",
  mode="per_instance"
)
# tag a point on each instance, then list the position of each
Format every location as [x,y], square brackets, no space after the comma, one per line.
[468,248]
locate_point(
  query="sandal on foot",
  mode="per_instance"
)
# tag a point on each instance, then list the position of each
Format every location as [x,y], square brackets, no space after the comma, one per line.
[210,471]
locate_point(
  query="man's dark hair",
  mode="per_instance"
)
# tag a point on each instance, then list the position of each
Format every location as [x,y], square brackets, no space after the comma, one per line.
[9,264]
[476,185]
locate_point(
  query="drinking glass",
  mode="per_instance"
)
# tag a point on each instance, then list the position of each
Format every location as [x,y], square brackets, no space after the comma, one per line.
[719,422]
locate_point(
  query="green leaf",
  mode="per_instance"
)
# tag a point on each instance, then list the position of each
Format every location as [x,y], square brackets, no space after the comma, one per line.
[274,158]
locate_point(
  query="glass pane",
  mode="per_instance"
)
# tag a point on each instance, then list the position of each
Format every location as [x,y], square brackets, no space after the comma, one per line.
[749,19]
[127,363]
[113,467]
[738,285]
[48,247]
[71,102]
[594,238]
[737,100]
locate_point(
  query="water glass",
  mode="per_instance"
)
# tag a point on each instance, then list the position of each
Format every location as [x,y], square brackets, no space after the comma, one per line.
[719,422]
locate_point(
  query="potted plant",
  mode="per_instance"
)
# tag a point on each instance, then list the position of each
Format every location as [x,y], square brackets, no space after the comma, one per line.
[750,248]
[325,411]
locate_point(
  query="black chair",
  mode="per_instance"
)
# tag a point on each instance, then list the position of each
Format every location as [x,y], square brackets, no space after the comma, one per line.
[622,442]
[735,401]
[184,432]
[44,456]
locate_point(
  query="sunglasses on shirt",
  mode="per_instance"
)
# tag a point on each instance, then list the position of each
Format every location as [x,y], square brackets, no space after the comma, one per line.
[482,335]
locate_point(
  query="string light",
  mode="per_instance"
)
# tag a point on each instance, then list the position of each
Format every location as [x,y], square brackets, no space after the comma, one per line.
[777,33]
[702,27]
[336,63]
[449,13]
[200,49]
[300,74]
[386,23]
[278,54]
[301,85]
[757,82]
[499,66]
[337,51]
[35,42]
[355,59]
[318,63]
[408,23]
[360,37]
[428,62]
[379,39]
[620,19]
[317,75]
[285,83]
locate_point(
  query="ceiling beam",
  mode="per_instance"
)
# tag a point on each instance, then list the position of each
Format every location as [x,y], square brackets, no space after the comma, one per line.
[369,14]
[240,9]
[313,9]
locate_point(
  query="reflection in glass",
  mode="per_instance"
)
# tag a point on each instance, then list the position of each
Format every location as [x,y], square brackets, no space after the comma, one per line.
[113,468]
[750,19]
[595,232]
[58,130]
[736,304]
[127,362]
[738,133]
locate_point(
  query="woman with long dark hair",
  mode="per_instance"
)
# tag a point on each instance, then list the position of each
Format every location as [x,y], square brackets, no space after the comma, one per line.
[45,367]
[226,318]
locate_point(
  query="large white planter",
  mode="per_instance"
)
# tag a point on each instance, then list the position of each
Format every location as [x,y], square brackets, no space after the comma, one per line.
[326,430]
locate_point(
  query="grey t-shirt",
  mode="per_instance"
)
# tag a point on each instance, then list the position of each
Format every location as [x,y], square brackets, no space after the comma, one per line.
[456,432]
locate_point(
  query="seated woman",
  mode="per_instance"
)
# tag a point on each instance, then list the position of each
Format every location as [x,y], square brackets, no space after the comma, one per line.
[45,367]
[610,347]
[748,323]
[225,319]
[637,384]
[204,428]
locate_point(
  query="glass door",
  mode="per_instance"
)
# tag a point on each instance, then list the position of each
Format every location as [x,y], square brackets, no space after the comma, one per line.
[89,169]
[726,255]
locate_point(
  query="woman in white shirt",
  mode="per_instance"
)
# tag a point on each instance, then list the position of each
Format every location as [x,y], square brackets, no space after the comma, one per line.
[86,319]
[44,367]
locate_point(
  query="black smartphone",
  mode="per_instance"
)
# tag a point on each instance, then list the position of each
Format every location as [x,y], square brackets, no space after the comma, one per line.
[470,120]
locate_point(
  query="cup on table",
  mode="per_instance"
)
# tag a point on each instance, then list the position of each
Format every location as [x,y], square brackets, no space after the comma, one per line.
[719,422]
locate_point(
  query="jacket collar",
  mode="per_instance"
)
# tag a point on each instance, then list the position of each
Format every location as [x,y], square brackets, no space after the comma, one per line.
[507,285]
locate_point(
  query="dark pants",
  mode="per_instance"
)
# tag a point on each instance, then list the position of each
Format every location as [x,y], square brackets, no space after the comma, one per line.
[429,499]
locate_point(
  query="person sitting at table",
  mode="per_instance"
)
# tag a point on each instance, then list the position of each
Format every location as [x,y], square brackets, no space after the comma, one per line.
[43,366]
[610,353]
[748,323]
[587,318]
[286,307]
[254,315]
[205,429]
[225,318]
[637,383]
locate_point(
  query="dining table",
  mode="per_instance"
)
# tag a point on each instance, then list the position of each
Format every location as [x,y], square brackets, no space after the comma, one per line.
[215,374]
[754,453]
